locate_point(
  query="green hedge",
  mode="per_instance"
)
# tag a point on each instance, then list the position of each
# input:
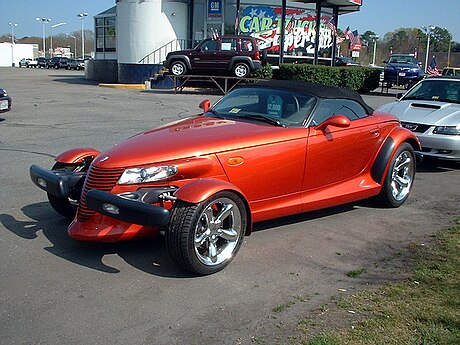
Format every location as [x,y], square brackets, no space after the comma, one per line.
[362,79]
[265,72]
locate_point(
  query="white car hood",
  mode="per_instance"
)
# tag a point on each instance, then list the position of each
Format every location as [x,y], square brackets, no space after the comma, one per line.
[424,112]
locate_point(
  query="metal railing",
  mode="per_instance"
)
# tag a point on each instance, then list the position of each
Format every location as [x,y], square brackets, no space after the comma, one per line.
[159,54]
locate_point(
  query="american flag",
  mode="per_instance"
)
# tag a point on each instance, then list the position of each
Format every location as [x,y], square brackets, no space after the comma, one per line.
[355,41]
[331,26]
[433,68]
[348,34]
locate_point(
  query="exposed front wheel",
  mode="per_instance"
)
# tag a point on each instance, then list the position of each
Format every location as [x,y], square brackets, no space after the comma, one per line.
[66,207]
[400,177]
[178,68]
[204,238]
[241,70]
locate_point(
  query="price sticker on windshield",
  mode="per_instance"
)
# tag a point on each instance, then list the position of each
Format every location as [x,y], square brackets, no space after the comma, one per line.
[274,105]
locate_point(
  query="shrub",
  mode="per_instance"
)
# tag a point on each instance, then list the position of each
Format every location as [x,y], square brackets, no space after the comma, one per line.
[265,72]
[361,79]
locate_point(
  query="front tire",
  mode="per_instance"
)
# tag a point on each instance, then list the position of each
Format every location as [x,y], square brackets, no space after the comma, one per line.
[204,238]
[178,68]
[66,207]
[399,179]
[241,70]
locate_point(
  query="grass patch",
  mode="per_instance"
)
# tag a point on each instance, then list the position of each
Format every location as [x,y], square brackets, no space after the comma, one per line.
[280,307]
[422,310]
[356,273]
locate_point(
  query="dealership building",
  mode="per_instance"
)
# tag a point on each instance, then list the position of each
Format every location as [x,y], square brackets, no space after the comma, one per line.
[134,36]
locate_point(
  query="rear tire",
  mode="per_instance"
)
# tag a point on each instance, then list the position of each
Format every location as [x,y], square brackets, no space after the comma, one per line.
[399,179]
[204,238]
[241,70]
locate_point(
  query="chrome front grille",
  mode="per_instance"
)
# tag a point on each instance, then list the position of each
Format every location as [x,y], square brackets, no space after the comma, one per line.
[100,179]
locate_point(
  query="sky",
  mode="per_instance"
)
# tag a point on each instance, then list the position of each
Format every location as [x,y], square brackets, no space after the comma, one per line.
[25,12]
[380,16]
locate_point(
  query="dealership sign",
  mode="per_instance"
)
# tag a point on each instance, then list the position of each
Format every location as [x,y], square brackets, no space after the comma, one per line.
[214,8]
[264,23]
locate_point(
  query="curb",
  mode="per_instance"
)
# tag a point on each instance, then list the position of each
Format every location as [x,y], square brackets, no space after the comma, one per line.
[124,86]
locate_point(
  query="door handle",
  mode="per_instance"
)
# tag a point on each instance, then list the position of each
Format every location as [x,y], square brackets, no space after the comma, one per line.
[375,132]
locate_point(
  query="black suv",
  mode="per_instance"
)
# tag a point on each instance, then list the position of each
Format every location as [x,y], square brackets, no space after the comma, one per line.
[42,62]
[58,62]
[239,55]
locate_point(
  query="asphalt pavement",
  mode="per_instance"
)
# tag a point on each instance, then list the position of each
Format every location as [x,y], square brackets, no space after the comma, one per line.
[55,290]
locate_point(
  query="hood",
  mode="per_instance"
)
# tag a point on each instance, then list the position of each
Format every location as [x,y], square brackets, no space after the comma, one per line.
[424,112]
[193,137]
[182,52]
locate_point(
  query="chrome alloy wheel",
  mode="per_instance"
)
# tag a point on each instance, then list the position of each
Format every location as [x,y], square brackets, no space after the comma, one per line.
[218,231]
[241,70]
[178,69]
[402,175]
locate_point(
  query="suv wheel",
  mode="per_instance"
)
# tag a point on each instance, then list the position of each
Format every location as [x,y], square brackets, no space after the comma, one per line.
[178,68]
[241,70]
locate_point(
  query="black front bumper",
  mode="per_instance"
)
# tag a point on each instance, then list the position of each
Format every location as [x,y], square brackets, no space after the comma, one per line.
[56,182]
[130,207]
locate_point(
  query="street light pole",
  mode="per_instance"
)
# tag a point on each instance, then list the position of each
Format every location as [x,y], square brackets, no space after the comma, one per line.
[12,42]
[374,38]
[52,27]
[44,21]
[82,17]
[75,39]
[427,30]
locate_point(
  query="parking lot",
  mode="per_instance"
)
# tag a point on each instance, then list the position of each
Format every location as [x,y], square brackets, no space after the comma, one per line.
[59,291]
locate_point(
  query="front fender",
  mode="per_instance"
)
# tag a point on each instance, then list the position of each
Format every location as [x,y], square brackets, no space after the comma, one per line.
[396,137]
[199,190]
[77,155]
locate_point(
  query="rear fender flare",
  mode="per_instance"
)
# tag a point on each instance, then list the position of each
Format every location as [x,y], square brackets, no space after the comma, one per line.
[236,59]
[77,155]
[199,190]
[396,137]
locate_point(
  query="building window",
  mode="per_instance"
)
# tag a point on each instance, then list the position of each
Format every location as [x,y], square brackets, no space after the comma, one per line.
[106,38]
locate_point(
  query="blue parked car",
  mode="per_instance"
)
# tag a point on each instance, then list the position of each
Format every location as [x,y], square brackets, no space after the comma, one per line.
[402,69]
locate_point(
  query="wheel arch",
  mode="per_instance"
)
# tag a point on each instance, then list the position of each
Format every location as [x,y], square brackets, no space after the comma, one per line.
[77,155]
[244,59]
[185,59]
[199,190]
[396,137]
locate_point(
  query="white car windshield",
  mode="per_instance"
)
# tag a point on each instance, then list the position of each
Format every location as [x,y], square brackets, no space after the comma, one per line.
[435,90]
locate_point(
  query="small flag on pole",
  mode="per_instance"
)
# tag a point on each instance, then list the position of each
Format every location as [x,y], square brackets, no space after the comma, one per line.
[433,68]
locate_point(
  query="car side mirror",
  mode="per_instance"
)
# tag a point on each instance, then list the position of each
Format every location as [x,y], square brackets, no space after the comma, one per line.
[205,105]
[399,95]
[336,121]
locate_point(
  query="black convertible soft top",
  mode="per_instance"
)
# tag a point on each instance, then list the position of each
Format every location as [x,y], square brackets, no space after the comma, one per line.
[318,90]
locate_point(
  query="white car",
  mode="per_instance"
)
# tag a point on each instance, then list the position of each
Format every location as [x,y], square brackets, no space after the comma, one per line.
[431,109]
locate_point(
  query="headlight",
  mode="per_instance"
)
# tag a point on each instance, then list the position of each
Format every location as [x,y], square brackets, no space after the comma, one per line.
[447,130]
[151,174]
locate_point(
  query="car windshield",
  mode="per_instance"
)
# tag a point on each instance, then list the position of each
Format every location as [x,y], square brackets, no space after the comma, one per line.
[403,59]
[435,90]
[268,105]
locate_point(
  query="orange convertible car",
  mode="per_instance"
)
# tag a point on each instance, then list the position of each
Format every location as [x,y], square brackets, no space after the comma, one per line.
[263,151]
